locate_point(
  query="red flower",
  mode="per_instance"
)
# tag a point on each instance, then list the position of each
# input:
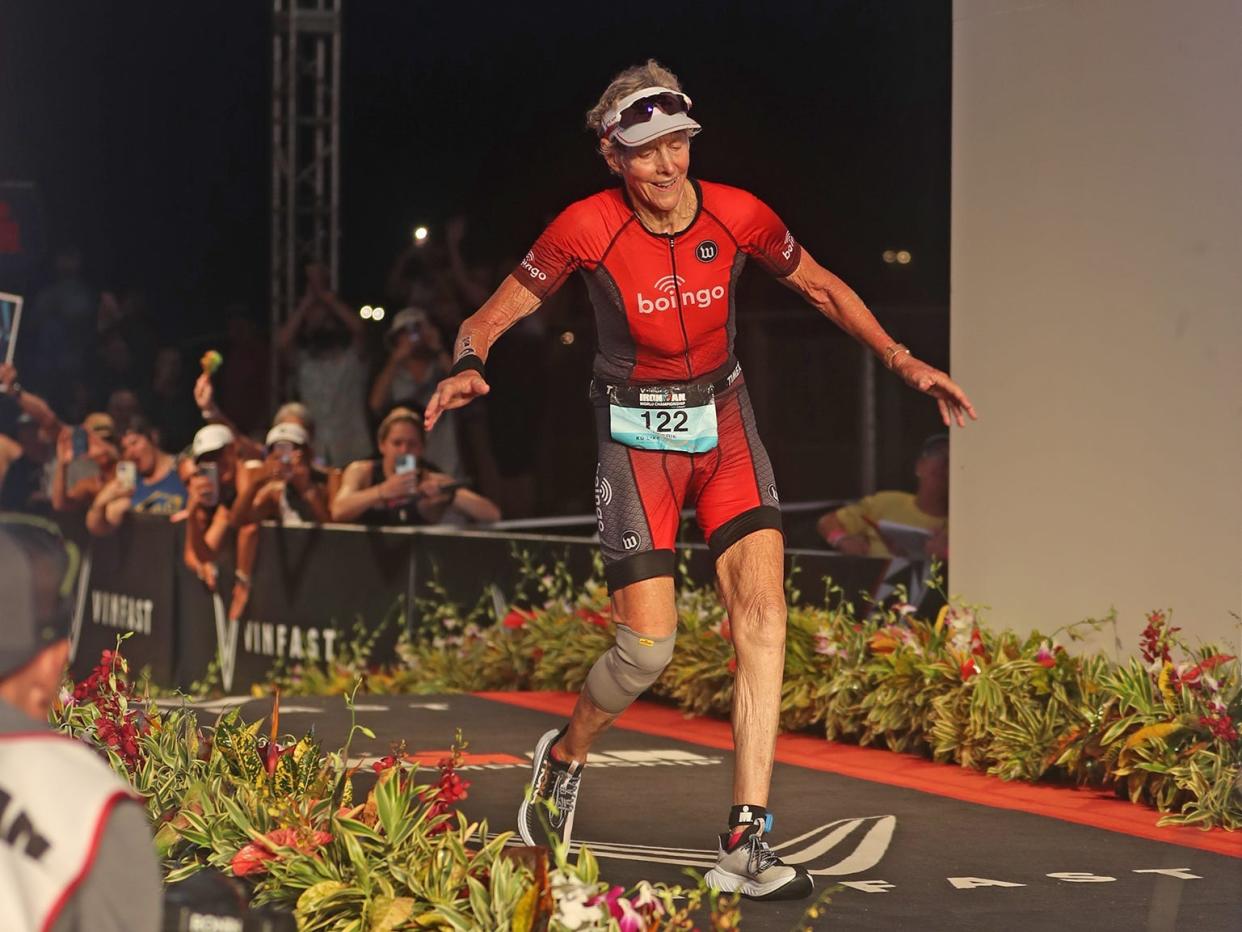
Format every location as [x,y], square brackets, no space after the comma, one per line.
[252,858]
[593,617]
[976,642]
[384,763]
[1157,638]
[517,619]
[732,664]
[249,860]
[1220,725]
[968,669]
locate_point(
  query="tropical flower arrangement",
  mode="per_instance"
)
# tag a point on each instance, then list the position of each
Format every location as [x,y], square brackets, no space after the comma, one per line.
[1160,729]
[283,817]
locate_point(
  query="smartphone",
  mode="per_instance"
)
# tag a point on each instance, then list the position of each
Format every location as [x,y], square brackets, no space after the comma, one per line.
[127,473]
[405,463]
[212,472]
[80,441]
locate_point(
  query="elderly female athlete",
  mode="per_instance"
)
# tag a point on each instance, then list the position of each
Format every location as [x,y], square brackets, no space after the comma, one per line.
[661,255]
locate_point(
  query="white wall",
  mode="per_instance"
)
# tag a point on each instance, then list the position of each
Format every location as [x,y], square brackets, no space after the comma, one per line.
[1097,311]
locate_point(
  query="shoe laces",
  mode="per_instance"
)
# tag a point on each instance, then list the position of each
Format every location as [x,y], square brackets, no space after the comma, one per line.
[565,790]
[760,856]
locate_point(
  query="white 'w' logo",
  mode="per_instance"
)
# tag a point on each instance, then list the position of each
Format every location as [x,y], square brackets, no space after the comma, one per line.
[669,284]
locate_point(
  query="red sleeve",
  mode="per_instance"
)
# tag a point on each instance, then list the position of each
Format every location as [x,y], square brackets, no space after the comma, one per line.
[759,231]
[572,240]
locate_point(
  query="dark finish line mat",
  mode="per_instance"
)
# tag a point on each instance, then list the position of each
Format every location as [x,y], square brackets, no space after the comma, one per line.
[913,845]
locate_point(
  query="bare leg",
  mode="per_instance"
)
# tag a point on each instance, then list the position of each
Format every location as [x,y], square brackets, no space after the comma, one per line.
[649,608]
[751,577]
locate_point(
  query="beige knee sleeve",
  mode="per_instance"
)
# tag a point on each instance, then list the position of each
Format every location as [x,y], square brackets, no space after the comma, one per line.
[627,669]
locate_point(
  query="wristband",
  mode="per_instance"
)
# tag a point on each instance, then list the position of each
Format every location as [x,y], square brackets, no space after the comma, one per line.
[467,362]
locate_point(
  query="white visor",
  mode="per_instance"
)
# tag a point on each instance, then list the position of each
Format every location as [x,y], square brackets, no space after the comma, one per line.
[660,124]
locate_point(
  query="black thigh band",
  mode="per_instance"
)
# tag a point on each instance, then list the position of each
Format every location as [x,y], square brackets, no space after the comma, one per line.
[763,517]
[646,565]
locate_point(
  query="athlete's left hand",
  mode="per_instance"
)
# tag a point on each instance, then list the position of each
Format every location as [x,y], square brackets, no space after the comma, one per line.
[949,396]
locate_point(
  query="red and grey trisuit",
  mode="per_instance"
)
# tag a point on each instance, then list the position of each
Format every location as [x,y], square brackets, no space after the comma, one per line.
[664,311]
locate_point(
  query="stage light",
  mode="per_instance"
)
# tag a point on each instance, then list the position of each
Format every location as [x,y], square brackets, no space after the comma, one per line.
[903,257]
[377,314]
[889,256]
[420,235]
[365,312]
[567,337]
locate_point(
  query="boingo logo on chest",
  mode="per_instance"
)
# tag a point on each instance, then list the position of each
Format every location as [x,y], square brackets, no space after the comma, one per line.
[672,288]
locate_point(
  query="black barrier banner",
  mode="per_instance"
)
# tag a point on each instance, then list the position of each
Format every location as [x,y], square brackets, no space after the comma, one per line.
[314,590]
[464,567]
[317,592]
[125,584]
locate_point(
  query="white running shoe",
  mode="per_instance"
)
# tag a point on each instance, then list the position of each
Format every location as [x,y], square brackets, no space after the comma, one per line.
[551,782]
[754,871]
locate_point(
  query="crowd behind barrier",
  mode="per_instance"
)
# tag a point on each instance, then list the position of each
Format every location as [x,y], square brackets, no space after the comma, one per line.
[317,588]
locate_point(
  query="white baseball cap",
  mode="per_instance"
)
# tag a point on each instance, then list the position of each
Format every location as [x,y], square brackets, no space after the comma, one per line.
[287,433]
[210,438]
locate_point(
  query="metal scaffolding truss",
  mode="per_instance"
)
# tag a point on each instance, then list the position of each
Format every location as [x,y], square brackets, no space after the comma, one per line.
[306,133]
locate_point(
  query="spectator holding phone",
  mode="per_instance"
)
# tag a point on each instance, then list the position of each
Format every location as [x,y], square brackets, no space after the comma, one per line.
[212,493]
[417,361]
[82,460]
[86,461]
[146,481]
[399,488]
[284,486]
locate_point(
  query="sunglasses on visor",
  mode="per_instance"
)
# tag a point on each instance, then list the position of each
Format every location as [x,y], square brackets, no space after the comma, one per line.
[638,107]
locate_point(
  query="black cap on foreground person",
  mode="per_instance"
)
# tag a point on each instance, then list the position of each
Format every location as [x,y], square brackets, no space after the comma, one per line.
[77,851]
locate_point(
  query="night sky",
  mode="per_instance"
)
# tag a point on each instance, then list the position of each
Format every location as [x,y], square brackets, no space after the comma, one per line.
[145,126]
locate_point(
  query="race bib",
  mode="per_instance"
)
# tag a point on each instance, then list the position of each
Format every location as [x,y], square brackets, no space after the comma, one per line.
[678,419]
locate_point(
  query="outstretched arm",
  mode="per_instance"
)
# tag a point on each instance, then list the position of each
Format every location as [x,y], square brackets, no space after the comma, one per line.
[509,304]
[837,301]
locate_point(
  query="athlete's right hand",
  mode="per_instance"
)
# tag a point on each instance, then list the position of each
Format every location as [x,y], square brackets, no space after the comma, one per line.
[454,392]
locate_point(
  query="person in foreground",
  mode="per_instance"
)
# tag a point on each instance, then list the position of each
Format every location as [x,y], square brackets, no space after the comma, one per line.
[77,852]
[661,254]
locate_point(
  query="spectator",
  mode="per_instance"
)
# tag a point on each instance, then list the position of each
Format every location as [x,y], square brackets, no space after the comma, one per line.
[417,361]
[857,529]
[60,322]
[212,491]
[284,486]
[123,406]
[156,487]
[26,461]
[212,413]
[388,492]
[171,403]
[124,342]
[79,477]
[323,342]
[85,860]
[244,380]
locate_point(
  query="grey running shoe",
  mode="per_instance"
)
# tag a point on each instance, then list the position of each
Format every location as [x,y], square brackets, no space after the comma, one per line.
[754,871]
[551,782]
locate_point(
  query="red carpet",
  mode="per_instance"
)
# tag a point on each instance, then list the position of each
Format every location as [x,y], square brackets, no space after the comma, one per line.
[1082,806]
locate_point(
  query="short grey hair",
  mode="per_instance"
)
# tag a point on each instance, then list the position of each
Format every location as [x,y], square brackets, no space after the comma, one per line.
[635,78]
[297,411]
